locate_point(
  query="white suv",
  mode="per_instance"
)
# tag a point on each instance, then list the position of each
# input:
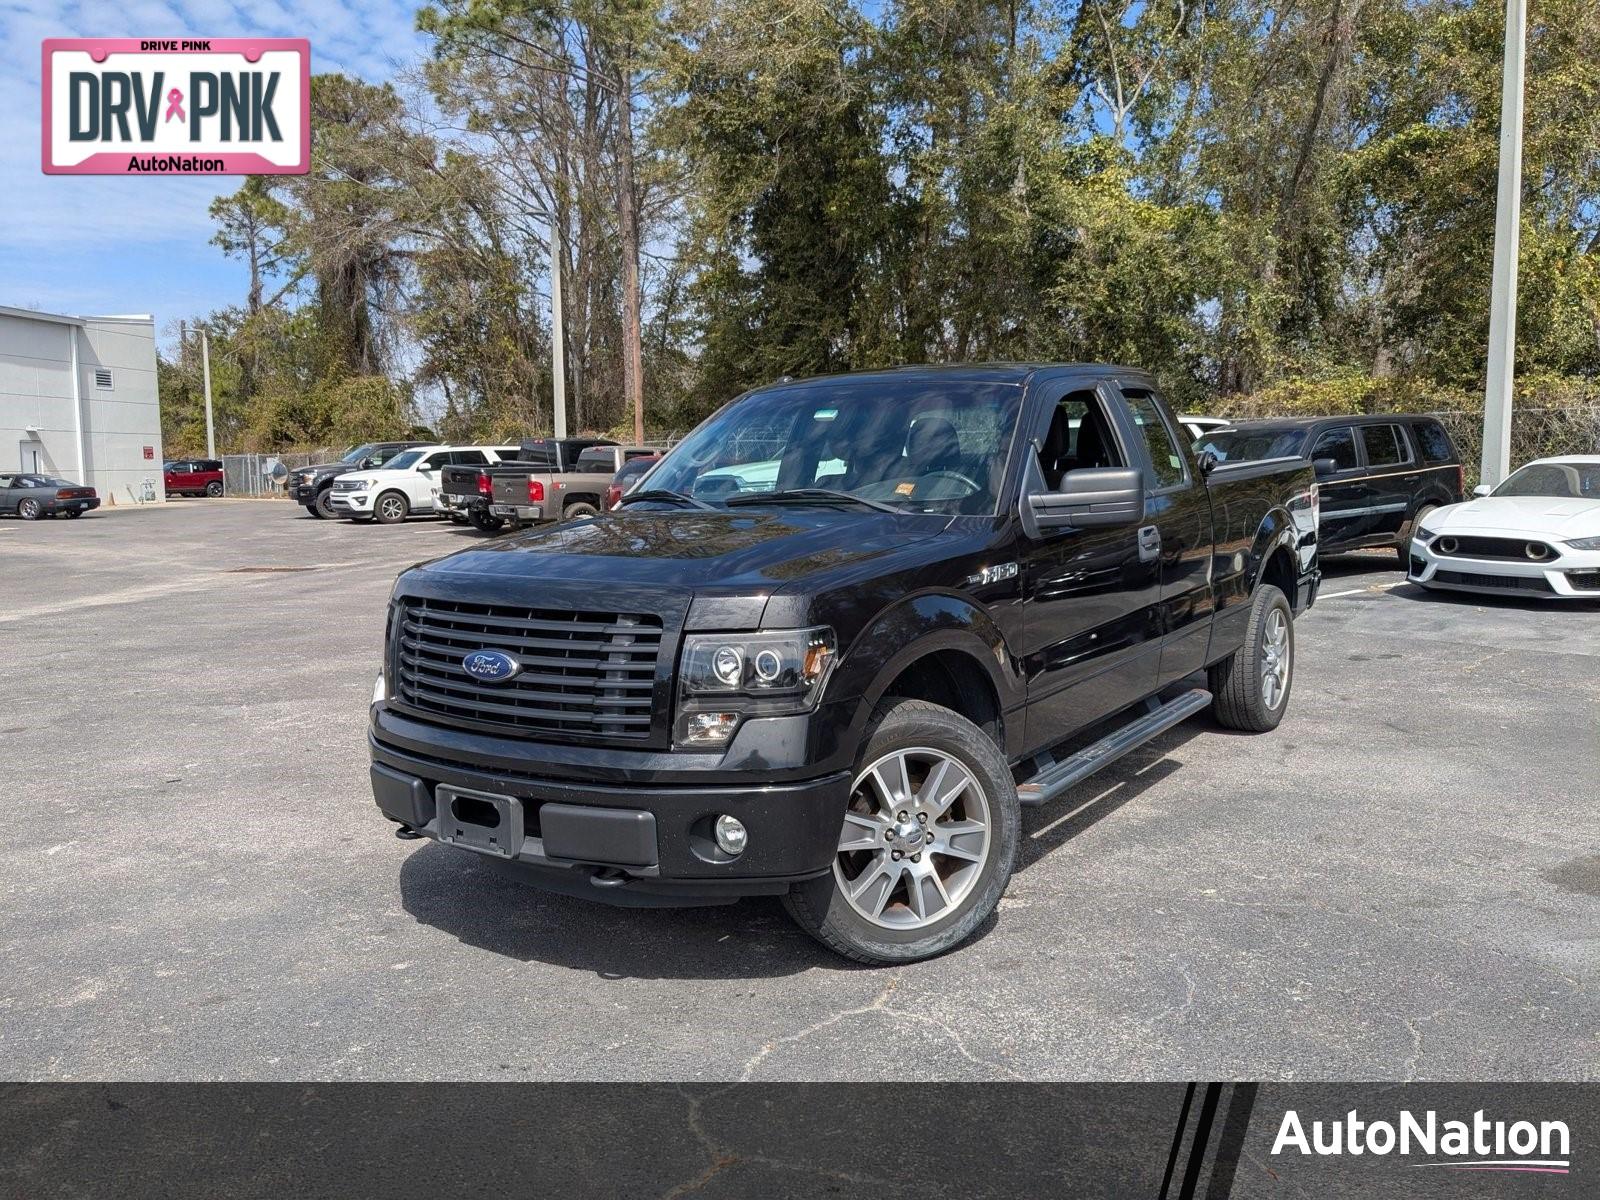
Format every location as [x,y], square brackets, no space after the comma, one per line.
[407,483]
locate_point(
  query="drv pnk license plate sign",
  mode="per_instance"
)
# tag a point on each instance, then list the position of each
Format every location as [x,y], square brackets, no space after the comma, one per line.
[169,106]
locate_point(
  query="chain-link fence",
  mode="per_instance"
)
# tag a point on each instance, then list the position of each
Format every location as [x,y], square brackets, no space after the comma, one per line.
[1535,433]
[266,476]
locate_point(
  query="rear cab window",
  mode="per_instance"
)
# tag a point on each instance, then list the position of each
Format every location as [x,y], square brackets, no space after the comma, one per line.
[1434,441]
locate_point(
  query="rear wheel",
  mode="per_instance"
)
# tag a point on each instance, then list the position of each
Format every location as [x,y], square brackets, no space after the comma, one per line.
[72,514]
[1251,686]
[322,506]
[578,510]
[391,508]
[214,488]
[927,845]
[487,522]
[28,510]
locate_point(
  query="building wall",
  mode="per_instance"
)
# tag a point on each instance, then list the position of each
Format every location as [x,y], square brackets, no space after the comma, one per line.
[118,422]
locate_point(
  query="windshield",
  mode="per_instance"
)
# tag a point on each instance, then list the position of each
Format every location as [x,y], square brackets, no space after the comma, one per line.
[357,454]
[921,445]
[1563,480]
[401,461]
[1252,445]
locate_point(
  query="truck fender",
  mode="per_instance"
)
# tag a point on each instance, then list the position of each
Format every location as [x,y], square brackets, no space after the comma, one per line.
[913,628]
[1277,529]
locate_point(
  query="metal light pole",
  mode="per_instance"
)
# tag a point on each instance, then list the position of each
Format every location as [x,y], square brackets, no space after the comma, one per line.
[558,335]
[1496,463]
[205,374]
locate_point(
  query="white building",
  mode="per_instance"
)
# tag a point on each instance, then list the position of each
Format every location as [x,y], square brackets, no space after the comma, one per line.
[78,399]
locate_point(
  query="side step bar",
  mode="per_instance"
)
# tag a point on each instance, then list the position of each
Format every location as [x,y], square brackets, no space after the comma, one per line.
[1053,780]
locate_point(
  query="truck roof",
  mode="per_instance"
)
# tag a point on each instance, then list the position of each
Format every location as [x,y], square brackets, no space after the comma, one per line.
[988,372]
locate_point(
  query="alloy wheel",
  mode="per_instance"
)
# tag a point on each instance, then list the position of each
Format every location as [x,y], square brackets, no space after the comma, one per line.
[1276,653]
[915,839]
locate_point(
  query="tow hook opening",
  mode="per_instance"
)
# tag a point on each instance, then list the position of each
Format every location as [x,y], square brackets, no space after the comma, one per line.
[608,877]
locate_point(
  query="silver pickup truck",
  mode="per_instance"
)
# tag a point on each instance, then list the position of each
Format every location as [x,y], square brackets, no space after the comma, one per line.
[551,479]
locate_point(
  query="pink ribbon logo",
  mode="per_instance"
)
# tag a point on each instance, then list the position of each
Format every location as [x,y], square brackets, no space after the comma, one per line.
[174,106]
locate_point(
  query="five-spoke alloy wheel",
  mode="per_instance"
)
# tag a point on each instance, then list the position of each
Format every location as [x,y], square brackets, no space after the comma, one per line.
[927,843]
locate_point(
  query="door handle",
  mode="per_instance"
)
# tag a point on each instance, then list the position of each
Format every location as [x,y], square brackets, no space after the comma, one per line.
[1149,543]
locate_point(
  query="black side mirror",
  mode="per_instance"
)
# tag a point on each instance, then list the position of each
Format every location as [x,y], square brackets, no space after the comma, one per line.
[1090,498]
[1325,466]
[1208,462]
[369,463]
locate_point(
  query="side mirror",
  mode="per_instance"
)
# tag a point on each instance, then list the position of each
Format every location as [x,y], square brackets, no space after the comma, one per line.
[1208,462]
[1325,466]
[1091,498]
[368,463]
[1483,489]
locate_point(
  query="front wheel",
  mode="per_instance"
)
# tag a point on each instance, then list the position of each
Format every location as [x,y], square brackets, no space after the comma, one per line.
[322,506]
[391,508]
[29,510]
[1403,550]
[928,841]
[1251,686]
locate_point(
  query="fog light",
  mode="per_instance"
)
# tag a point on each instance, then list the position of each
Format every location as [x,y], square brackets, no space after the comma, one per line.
[731,835]
[709,729]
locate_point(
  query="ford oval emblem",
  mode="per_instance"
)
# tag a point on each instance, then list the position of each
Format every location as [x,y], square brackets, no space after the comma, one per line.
[490,666]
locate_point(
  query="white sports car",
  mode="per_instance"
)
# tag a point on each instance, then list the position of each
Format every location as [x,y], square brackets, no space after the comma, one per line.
[1537,534]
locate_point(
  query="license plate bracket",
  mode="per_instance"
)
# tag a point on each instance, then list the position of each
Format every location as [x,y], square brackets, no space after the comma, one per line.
[480,821]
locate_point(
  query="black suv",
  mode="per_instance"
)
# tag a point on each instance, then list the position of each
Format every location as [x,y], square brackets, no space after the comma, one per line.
[312,486]
[1378,475]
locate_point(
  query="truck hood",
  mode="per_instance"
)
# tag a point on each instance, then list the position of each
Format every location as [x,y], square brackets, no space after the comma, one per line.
[753,551]
[1552,516]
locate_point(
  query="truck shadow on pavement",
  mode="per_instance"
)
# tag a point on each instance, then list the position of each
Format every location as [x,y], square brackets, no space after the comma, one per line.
[482,906]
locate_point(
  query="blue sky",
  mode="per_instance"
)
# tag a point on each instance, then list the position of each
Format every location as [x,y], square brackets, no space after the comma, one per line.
[106,244]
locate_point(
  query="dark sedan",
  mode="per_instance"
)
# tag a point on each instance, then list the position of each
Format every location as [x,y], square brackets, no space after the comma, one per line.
[35,496]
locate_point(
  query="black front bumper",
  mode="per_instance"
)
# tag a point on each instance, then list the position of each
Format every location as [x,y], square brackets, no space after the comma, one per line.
[623,843]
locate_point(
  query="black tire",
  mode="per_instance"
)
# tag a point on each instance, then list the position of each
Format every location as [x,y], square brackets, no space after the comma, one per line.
[820,907]
[1238,683]
[1403,549]
[456,518]
[214,488]
[322,505]
[391,508]
[487,522]
[579,509]
[28,509]
[72,514]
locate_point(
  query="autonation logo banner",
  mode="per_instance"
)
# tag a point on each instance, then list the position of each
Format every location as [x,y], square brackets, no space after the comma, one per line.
[1427,1139]
[154,106]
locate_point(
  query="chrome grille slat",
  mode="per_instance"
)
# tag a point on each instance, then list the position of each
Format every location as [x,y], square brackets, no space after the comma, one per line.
[589,672]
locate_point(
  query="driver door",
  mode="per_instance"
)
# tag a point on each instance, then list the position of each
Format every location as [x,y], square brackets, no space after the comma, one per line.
[1091,638]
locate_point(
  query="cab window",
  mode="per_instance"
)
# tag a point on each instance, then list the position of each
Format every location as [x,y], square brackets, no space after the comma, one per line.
[1080,435]
[1339,445]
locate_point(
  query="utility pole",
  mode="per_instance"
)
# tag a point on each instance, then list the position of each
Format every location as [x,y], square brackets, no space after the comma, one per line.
[205,371]
[1496,463]
[205,374]
[558,329]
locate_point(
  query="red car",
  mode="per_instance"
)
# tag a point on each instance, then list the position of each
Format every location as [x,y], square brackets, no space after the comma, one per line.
[624,479]
[194,477]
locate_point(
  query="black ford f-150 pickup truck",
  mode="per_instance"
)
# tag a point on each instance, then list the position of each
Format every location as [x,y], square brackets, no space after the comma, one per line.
[850,627]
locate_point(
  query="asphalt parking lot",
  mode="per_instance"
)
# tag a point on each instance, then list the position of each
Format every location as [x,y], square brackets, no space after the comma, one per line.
[1403,882]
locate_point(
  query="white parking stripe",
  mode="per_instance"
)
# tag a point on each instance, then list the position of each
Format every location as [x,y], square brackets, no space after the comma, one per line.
[1362,591]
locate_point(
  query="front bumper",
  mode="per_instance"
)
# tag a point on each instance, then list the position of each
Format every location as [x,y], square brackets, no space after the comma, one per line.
[1570,575]
[622,843]
[304,493]
[350,503]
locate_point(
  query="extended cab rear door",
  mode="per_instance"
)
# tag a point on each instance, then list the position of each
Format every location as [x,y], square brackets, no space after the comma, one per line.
[1177,523]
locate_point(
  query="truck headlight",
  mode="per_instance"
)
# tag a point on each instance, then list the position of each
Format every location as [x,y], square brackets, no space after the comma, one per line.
[727,676]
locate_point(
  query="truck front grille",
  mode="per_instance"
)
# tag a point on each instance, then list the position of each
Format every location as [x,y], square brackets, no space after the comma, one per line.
[582,672]
[1513,549]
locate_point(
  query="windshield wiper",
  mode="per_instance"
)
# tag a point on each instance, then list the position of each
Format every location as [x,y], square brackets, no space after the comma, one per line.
[666,495]
[811,496]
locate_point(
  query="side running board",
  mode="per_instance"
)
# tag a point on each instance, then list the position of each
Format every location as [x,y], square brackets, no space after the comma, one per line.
[1057,778]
